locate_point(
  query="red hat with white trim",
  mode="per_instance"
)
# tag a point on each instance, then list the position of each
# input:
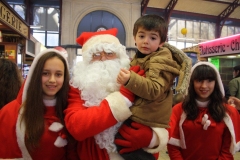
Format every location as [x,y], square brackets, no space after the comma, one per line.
[94,42]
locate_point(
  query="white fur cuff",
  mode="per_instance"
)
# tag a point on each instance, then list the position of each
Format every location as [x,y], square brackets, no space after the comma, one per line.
[162,135]
[118,106]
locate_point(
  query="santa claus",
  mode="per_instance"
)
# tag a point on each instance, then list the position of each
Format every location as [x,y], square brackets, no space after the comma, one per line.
[96,106]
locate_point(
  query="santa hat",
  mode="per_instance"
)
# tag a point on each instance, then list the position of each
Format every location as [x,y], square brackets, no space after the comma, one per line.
[216,71]
[94,42]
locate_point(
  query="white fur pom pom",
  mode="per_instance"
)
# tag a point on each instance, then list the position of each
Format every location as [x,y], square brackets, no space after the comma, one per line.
[60,142]
[207,124]
[55,127]
[204,119]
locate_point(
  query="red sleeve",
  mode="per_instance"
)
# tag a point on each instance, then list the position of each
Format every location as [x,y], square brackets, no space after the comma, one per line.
[224,153]
[83,122]
[174,152]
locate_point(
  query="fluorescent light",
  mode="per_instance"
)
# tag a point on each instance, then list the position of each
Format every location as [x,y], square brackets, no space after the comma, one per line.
[35,27]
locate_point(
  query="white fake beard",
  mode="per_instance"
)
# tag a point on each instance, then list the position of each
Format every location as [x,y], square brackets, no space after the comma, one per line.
[96,81]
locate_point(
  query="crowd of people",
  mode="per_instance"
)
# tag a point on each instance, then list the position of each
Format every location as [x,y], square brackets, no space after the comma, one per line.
[112,108]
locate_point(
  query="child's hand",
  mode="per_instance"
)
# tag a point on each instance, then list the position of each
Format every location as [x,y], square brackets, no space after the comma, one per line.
[123,76]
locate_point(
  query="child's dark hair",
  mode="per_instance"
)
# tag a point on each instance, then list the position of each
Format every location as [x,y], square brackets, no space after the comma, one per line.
[216,103]
[34,107]
[152,22]
[237,68]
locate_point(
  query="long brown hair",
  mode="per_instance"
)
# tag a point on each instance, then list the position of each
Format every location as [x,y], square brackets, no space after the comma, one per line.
[34,108]
[10,81]
[216,105]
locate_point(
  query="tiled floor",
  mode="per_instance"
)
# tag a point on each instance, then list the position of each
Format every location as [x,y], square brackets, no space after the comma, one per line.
[164,156]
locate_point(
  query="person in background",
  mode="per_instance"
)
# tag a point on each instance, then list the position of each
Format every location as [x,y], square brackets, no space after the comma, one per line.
[96,107]
[162,63]
[10,81]
[32,125]
[234,84]
[203,126]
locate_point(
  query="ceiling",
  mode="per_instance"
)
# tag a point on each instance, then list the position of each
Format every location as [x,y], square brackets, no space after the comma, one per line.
[201,7]
[210,10]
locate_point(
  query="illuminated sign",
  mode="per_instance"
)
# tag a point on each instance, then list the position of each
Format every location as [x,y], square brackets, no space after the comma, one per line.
[12,21]
[221,46]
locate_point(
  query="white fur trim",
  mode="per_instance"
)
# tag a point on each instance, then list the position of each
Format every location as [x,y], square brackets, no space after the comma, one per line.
[20,133]
[118,106]
[128,102]
[234,146]
[114,156]
[162,135]
[60,142]
[33,65]
[55,127]
[216,71]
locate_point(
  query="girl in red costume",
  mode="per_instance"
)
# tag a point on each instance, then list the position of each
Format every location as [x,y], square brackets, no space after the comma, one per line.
[203,126]
[32,125]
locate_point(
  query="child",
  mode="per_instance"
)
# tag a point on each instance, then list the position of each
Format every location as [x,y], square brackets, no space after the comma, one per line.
[32,125]
[10,81]
[203,126]
[161,63]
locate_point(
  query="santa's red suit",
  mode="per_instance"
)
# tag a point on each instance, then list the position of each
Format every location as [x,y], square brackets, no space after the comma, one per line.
[96,108]
[53,144]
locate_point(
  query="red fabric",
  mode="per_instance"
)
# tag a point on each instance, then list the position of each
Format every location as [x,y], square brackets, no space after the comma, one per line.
[128,94]
[9,148]
[197,139]
[130,134]
[87,35]
[85,122]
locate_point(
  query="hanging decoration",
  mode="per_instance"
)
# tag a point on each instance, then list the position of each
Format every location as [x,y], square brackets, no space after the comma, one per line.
[184,31]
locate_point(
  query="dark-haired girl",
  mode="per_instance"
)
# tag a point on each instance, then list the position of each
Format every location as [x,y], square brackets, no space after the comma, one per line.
[203,126]
[32,125]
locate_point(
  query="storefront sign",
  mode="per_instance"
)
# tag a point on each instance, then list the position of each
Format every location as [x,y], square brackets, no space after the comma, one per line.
[8,18]
[221,46]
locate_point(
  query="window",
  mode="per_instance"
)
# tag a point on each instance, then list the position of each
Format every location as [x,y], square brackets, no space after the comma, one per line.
[46,21]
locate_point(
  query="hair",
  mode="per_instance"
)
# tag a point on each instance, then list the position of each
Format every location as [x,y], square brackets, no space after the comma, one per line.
[10,81]
[34,101]
[152,22]
[237,68]
[216,104]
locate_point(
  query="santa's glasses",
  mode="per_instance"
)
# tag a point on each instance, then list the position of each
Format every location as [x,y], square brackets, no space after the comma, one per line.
[103,55]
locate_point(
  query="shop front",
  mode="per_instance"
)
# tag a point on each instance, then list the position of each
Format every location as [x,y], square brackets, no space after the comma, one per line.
[224,53]
[14,33]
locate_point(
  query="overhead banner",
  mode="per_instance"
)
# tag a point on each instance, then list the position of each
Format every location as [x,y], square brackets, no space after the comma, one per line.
[221,46]
[10,19]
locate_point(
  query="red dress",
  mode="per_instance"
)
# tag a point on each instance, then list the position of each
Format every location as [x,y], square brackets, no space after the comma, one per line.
[12,136]
[189,140]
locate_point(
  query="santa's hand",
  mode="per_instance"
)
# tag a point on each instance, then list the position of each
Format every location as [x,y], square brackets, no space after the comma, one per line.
[126,93]
[135,137]
[235,102]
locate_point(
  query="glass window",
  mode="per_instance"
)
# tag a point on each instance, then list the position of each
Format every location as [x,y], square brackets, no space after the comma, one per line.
[172,34]
[230,30]
[204,31]
[196,30]
[237,30]
[52,39]
[189,26]
[48,20]
[224,31]
[180,45]
[20,9]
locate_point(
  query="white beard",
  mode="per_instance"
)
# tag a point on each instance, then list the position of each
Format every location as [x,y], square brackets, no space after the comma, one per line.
[96,81]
